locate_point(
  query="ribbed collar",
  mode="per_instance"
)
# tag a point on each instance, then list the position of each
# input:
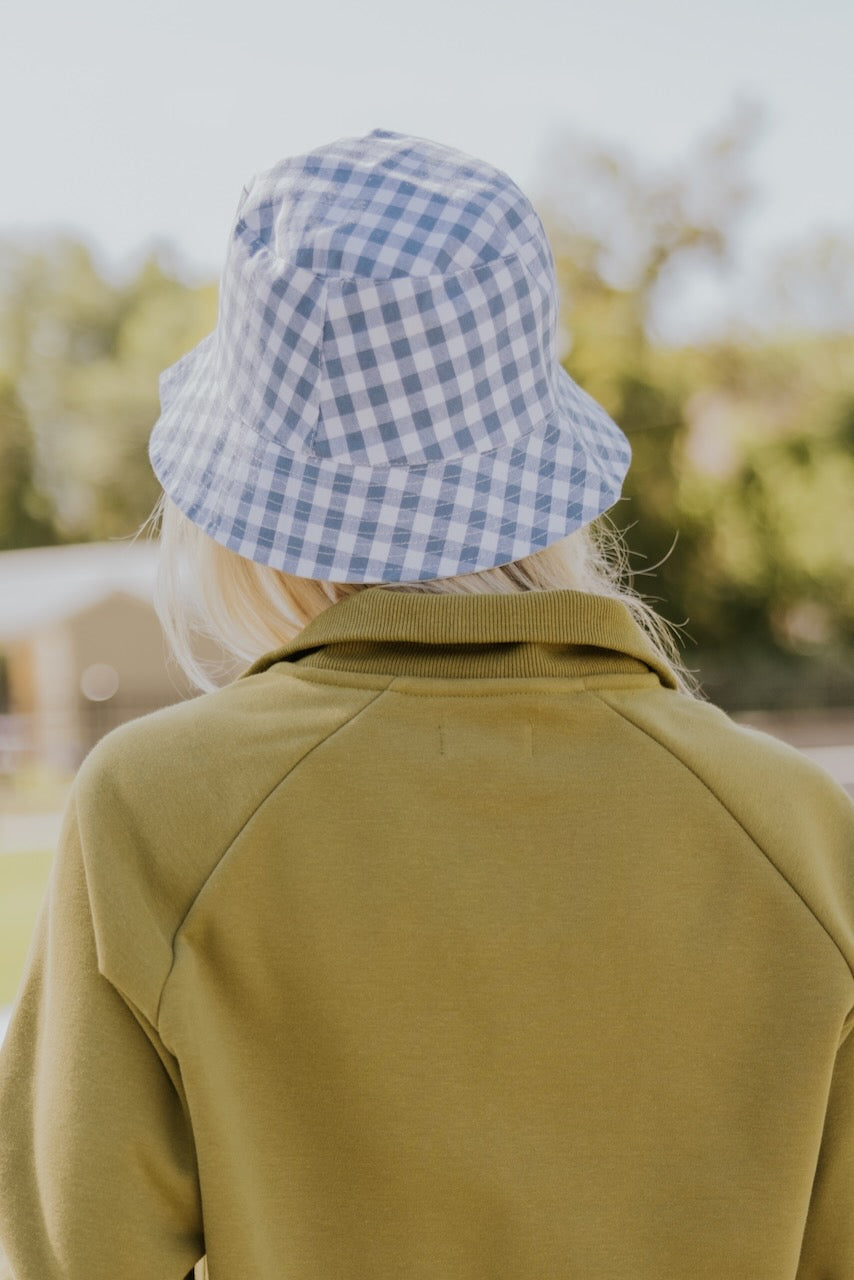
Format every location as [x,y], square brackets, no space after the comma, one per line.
[522,634]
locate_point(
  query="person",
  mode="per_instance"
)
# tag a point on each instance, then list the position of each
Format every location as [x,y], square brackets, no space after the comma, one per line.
[456,935]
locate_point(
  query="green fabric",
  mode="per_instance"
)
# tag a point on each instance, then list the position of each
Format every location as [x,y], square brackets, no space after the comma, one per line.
[450,941]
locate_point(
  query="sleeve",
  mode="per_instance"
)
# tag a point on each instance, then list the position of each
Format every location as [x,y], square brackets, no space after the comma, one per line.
[97,1164]
[827,1252]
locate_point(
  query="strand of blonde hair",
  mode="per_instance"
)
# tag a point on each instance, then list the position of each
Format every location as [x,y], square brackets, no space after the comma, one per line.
[240,609]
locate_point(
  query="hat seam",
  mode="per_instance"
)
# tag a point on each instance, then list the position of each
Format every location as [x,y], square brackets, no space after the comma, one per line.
[369,467]
[502,259]
[326,463]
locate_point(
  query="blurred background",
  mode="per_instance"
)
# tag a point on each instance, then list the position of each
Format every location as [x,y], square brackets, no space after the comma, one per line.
[691,164]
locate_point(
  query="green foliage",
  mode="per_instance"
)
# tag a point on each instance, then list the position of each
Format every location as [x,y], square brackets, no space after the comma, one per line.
[84,355]
[739,504]
[25,516]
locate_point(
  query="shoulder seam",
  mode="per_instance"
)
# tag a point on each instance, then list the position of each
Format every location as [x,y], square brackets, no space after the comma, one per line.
[232,841]
[666,747]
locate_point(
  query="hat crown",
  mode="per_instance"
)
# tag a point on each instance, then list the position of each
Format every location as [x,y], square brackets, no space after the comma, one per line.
[388,301]
[385,206]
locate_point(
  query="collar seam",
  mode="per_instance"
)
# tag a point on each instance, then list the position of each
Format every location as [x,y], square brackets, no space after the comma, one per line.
[549,684]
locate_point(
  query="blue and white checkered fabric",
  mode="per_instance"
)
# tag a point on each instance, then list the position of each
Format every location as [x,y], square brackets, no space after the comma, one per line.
[381,399]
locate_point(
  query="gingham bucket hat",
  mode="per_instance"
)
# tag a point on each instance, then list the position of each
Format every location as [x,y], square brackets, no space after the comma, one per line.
[381,399]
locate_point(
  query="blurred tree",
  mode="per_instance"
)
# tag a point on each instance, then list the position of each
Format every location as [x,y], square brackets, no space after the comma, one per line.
[622,237]
[25,513]
[84,354]
[115,397]
[810,288]
[740,497]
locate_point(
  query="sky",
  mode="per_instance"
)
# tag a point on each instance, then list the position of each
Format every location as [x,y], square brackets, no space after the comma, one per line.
[136,125]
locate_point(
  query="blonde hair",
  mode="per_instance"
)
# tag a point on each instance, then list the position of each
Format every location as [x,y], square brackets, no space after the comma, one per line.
[206,592]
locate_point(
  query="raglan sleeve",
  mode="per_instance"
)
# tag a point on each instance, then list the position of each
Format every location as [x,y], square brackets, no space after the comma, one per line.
[827,1251]
[97,1165]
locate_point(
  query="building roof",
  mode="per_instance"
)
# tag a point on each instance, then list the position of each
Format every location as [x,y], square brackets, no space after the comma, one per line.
[41,585]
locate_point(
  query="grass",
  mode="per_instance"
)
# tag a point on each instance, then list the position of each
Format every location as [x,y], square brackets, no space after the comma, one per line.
[23,879]
[34,789]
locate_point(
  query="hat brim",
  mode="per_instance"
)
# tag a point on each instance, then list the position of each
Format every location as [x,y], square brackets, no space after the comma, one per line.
[317,518]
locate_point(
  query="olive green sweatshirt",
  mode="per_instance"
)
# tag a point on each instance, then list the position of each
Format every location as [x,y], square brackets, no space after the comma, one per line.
[450,942]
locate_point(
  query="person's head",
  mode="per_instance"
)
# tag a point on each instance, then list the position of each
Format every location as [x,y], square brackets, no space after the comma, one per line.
[380,405]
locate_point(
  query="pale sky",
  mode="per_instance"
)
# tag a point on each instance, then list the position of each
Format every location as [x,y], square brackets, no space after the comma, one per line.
[139,123]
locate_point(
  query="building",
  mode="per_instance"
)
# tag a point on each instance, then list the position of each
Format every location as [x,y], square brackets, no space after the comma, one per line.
[81,649]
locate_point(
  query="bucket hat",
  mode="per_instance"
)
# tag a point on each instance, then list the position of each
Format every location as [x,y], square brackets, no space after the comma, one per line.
[381,398]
